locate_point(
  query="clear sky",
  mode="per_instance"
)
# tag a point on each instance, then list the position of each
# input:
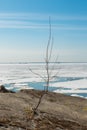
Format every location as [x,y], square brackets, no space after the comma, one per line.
[24,29]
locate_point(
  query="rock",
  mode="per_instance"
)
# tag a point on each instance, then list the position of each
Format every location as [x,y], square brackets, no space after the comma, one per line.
[56,111]
[4,90]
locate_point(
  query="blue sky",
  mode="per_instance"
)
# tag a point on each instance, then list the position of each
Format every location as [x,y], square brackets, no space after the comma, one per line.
[24,29]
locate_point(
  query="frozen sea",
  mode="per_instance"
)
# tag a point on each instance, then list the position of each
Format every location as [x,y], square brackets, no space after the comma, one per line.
[71,78]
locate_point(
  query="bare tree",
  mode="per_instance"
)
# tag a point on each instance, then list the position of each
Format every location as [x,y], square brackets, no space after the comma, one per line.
[49,69]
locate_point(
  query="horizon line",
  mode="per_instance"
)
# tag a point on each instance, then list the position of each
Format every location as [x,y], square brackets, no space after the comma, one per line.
[38,62]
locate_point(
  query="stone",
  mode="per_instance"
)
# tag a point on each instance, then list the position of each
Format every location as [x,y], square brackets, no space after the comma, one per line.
[4,90]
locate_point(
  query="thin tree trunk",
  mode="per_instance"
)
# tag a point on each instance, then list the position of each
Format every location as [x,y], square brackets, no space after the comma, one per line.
[40,99]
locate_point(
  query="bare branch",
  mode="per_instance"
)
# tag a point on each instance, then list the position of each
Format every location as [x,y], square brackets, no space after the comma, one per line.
[55,62]
[37,74]
[49,40]
[57,73]
[50,53]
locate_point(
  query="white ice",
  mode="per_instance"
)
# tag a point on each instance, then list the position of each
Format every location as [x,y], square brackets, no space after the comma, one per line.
[19,75]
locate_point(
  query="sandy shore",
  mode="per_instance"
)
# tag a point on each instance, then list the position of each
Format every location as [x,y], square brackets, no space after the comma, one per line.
[56,112]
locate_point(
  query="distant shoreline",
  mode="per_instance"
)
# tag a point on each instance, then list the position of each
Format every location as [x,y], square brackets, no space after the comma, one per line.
[39,62]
